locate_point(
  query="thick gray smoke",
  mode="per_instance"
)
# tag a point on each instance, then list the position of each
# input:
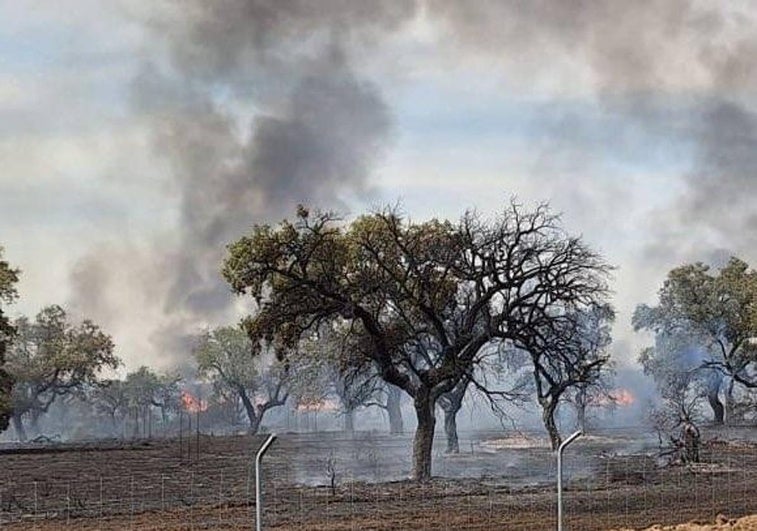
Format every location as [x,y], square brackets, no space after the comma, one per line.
[315,133]
[623,47]
[722,187]
[320,144]
[679,70]
[260,104]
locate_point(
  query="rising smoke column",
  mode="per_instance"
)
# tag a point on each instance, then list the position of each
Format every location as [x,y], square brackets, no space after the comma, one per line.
[321,144]
[315,132]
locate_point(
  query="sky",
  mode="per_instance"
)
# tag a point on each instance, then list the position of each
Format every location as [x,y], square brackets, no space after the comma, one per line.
[138,138]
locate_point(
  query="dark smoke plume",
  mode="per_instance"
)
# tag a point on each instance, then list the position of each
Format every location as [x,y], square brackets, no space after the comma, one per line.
[315,134]
[311,126]
[322,144]
[723,186]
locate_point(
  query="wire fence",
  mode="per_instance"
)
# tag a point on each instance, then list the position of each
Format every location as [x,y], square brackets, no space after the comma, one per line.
[331,481]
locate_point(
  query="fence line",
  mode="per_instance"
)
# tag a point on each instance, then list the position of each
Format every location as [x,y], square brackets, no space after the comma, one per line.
[335,482]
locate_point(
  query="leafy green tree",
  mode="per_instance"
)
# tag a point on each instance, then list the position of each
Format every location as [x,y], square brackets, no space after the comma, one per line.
[144,389]
[110,398]
[225,407]
[312,384]
[230,359]
[8,294]
[135,396]
[167,395]
[51,358]
[424,298]
[333,359]
[711,320]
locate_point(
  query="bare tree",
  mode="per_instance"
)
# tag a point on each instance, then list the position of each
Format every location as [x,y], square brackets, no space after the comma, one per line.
[569,350]
[333,353]
[676,418]
[496,379]
[597,393]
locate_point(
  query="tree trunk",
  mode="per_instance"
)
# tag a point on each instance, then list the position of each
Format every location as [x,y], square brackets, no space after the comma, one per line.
[581,416]
[349,420]
[451,402]
[718,411]
[6,389]
[394,409]
[254,425]
[135,434]
[691,439]
[18,426]
[35,422]
[252,414]
[424,437]
[729,403]
[548,416]
[450,429]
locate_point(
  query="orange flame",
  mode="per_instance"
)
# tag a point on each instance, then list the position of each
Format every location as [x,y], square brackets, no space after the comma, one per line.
[622,397]
[619,397]
[318,406]
[192,404]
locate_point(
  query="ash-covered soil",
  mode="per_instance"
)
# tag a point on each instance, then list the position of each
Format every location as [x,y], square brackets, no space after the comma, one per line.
[498,481]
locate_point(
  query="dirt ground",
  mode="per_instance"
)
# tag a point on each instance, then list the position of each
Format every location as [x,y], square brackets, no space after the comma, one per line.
[157,485]
[453,514]
[747,523]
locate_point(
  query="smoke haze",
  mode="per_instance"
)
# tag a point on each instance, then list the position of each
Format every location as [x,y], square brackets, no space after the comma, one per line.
[314,141]
[637,119]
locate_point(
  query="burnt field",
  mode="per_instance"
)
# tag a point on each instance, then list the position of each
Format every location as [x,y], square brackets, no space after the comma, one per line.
[335,481]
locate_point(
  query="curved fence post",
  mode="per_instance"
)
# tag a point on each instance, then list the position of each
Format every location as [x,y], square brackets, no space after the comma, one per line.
[258,493]
[560,450]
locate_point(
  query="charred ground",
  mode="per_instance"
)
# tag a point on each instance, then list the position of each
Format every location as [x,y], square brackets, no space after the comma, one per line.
[501,481]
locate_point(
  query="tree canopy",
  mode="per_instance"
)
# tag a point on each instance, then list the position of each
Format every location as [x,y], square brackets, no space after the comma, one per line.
[424,298]
[50,357]
[230,359]
[705,323]
[8,294]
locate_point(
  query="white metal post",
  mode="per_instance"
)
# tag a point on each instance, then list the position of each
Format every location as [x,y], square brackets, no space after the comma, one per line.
[560,450]
[258,492]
